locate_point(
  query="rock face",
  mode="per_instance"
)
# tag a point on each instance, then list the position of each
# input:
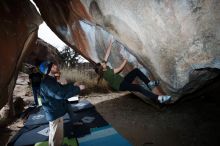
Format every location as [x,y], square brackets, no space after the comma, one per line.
[18,26]
[175,40]
[42,51]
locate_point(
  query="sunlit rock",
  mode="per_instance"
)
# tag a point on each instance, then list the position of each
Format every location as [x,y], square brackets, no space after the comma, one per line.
[172,39]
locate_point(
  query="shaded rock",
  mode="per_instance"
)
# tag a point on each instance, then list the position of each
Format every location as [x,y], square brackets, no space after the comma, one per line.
[66,22]
[42,51]
[18,104]
[18,26]
[171,39]
[4,112]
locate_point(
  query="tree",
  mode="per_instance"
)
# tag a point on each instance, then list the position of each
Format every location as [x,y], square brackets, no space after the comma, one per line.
[70,57]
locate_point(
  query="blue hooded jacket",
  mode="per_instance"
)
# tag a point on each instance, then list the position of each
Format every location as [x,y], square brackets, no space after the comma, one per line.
[54,97]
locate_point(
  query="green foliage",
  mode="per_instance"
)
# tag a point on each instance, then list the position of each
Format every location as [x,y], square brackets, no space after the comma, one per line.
[70,57]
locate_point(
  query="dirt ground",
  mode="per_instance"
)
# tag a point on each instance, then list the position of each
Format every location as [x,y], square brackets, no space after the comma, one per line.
[193,122]
[24,91]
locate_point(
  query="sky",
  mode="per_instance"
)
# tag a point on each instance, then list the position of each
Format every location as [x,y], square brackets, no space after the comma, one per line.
[46,34]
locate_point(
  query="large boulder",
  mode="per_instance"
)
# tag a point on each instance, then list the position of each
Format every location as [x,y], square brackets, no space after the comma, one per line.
[175,40]
[19,21]
[42,51]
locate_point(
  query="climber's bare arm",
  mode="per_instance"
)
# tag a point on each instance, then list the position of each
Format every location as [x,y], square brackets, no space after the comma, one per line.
[121,67]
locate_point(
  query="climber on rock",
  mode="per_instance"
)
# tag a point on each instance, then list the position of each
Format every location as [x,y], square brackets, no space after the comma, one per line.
[119,83]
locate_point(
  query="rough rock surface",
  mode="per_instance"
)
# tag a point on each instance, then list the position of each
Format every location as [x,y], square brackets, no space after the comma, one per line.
[170,38]
[19,22]
[42,51]
[177,41]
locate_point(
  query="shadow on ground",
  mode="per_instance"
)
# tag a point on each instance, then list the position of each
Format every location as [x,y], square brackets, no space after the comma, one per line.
[192,122]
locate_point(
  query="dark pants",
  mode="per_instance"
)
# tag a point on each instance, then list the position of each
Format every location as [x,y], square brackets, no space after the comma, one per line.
[127,85]
[36,91]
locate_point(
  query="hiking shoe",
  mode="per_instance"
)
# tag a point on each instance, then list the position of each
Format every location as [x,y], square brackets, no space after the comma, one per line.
[164,98]
[153,84]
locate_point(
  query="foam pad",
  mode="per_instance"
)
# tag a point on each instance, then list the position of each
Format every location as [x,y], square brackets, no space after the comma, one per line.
[29,135]
[66,141]
[106,136]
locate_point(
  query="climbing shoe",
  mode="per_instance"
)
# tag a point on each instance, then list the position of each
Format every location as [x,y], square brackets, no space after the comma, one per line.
[153,84]
[164,99]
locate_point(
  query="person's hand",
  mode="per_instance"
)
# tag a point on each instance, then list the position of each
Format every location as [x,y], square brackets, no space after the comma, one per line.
[82,87]
[76,84]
